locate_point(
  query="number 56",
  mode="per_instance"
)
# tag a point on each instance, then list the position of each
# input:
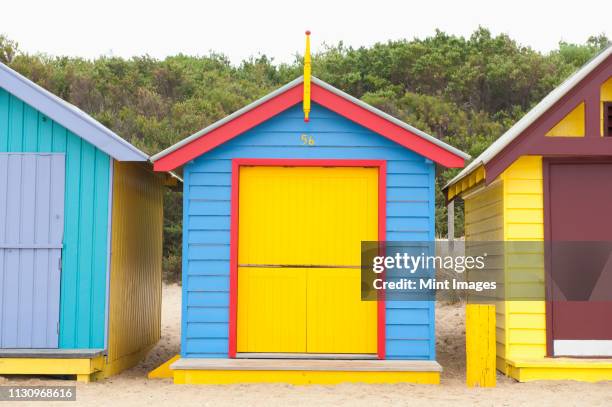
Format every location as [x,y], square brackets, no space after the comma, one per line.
[307,140]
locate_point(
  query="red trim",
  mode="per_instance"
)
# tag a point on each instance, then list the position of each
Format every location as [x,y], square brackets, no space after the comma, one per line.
[382,215]
[385,128]
[324,97]
[382,236]
[233,310]
[230,130]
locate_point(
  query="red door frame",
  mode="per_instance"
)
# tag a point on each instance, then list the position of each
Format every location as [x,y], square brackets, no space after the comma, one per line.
[382,217]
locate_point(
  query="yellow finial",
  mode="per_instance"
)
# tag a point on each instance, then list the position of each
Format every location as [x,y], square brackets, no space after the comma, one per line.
[306,102]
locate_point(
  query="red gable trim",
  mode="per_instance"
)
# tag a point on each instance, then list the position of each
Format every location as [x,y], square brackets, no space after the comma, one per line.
[385,128]
[325,98]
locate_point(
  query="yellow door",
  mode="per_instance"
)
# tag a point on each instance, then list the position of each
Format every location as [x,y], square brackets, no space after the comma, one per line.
[300,233]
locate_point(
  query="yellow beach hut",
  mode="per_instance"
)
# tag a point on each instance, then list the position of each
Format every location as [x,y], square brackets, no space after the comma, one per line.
[549,179]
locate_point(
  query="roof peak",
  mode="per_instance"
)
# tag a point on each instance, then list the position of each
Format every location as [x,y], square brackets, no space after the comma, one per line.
[287,88]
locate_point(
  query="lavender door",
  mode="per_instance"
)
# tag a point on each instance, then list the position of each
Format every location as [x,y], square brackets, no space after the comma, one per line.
[579,231]
[31,233]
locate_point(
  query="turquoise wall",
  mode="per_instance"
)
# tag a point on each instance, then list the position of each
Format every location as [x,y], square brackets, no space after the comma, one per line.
[84,255]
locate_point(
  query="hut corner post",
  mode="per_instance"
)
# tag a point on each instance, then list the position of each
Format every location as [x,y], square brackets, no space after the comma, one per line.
[450,210]
[480,345]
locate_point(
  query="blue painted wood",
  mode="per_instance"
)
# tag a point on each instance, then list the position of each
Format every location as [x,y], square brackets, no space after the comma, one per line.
[208,267]
[31,225]
[85,232]
[206,215]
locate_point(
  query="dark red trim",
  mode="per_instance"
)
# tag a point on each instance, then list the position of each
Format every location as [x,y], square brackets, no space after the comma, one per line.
[324,97]
[607,113]
[382,221]
[547,259]
[532,141]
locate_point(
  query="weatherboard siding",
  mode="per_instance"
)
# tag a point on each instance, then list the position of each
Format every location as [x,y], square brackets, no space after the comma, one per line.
[207,191]
[84,253]
[524,222]
[484,222]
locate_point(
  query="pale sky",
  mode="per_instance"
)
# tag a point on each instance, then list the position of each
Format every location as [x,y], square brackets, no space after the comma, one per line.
[240,29]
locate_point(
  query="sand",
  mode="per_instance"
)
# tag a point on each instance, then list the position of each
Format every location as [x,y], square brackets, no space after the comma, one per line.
[133,388]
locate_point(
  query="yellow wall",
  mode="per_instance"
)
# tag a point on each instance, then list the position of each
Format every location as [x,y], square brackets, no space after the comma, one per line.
[510,209]
[484,221]
[572,125]
[524,221]
[136,270]
[606,96]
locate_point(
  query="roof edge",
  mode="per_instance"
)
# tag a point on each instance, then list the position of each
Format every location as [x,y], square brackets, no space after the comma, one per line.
[226,119]
[392,119]
[530,117]
[68,115]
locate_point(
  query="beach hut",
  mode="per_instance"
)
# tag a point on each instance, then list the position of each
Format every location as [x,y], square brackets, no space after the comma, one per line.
[80,239]
[277,199]
[548,179]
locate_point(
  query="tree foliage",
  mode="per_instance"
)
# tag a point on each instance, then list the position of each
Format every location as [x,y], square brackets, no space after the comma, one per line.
[465,91]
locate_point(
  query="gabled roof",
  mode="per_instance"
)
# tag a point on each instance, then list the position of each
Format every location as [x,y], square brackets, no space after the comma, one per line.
[69,116]
[323,94]
[534,114]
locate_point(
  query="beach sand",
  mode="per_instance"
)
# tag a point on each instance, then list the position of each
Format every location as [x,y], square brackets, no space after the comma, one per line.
[133,388]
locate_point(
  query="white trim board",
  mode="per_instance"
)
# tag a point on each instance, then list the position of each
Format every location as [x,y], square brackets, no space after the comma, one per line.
[595,347]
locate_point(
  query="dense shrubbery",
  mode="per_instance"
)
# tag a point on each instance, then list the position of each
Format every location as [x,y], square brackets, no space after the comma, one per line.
[466,91]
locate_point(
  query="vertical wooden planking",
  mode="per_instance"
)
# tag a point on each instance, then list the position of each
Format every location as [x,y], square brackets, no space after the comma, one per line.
[69,312]
[15,123]
[30,129]
[85,247]
[25,271]
[4,115]
[99,251]
[480,345]
[23,129]
[45,134]
[3,205]
[56,234]
[30,283]
[43,303]
[10,287]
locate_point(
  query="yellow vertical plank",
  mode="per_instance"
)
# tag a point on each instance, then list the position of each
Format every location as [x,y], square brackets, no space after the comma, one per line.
[338,321]
[271,310]
[480,345]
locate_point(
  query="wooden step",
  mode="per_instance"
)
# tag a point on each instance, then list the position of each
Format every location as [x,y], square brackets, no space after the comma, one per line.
[307,365]
[51,353]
